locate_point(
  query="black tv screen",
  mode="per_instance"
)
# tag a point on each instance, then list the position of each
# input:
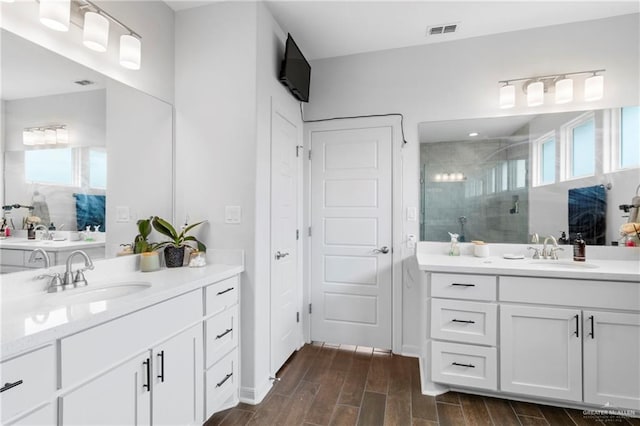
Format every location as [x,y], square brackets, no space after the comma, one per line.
[295,72]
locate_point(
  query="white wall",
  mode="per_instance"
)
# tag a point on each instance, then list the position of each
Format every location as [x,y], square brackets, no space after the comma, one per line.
[459,79]
[153,20]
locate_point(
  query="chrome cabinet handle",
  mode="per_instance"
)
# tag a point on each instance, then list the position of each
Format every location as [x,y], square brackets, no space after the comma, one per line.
[593,331]
[577,333]
[281,255]
[464,321]
[383,250]
[9,385]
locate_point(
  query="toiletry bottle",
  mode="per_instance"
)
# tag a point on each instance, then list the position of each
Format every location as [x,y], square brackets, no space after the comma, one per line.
[454,250]
[31,232]
[579,249]
[52,227]
[563,238]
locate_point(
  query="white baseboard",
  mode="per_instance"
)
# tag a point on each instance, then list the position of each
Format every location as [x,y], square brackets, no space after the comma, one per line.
[411,350]
[254,396]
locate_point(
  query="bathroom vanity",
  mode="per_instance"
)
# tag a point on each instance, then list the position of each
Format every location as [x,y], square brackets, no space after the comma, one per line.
[15,252]
[548,331]
[129,348]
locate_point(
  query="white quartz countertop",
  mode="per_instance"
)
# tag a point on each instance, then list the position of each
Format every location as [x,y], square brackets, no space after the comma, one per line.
[17,243]
[592,269]
[32,320]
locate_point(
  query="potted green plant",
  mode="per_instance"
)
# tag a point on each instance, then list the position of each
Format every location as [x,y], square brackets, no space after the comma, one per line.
[149,257]
[174,248]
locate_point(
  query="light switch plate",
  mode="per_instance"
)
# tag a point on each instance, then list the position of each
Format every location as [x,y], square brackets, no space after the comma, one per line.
[123,214]
[232,214]
[412,214]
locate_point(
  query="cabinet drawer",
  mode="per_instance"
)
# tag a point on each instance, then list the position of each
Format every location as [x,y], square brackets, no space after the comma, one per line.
[566,292]
[464,365]
[462,286]
[85,354]
[465,322]
[33,377]
[221,295]
[222,382]
[12,257]
[222,334]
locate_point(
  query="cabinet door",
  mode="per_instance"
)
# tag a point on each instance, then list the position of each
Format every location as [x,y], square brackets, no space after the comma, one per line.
[178,376]
[44,416]
[611,354]
[540,351]
[119,397]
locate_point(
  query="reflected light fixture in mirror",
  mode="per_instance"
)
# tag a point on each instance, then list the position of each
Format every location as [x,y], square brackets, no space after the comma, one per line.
[55,14]
[95,34]
[508,96]
[564,90]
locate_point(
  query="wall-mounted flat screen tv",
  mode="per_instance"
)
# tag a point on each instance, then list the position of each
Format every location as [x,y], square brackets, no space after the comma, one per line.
[295,72]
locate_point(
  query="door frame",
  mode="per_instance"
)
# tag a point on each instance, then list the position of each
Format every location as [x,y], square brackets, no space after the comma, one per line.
[393,122]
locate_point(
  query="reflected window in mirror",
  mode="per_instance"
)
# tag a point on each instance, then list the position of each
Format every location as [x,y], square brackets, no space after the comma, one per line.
[579,140]
[629,138]
[544,159]
[97,168]
[53,166]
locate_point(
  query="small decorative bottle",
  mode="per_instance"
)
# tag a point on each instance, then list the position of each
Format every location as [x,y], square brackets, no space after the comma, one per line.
[31,232]
[579,249]
[454,250]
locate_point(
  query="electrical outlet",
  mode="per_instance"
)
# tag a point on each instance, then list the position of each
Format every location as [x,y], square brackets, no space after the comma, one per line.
[411,241]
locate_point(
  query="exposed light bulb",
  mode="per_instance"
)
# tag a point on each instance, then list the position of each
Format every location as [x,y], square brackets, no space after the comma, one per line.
[473,134]
[535,93]
[130,52]
[55,14]
[28,138]
[62,135]
[507,96]
[96,32]
[437,177]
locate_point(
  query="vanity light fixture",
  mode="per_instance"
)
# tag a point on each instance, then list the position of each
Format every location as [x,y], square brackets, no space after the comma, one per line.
[473,134]
[46,135]
[95,33]
[561,84]
[130,47]
[449,177]
[55,14]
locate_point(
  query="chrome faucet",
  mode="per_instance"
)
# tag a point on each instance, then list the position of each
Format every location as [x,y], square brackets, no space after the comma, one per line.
[55,284]
[45,257]
[46,235]
[79,279]
[552,252]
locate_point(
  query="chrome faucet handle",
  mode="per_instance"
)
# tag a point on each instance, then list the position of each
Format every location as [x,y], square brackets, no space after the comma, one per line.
[553,252]
[80,280]
[535,239]
[536,252]
[55,284]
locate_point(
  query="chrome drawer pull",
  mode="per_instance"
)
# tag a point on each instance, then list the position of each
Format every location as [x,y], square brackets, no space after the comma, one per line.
[464,321]
[463,365]
[8,385]
[227,377]
[463,285]
[220,336]
[224,291]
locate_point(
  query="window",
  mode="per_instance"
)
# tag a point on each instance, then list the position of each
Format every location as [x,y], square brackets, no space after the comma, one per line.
[50,166]
[629,137]
[579,147]
[543,160]
[98,168]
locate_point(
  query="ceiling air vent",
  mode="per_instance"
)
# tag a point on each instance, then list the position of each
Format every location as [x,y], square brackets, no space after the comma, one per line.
[442,29]
[84,82]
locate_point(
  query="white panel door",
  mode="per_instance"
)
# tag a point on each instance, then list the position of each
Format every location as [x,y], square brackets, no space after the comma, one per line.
[285,330]
[541,351]
[177,379]
[612,359]
[121,396]
[351,260]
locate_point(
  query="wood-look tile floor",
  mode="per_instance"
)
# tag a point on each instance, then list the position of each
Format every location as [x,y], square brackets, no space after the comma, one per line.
[324,384]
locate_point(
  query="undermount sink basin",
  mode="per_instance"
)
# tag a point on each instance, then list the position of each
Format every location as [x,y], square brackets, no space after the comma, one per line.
[95,294]
[563,264]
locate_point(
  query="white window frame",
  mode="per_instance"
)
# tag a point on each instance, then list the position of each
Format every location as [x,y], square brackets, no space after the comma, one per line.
[614,126]
[536,159]
[566,143]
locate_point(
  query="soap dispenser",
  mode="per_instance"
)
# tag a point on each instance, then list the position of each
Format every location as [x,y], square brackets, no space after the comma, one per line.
[454,250]
[579,249]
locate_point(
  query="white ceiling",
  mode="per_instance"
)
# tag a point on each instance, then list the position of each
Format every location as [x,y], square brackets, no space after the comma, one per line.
[325,29]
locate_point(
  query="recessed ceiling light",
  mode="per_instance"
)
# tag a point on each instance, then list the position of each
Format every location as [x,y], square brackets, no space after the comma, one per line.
[473,134]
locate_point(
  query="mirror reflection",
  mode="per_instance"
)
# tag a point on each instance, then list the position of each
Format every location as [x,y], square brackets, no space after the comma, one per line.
[77,159]
[504,179]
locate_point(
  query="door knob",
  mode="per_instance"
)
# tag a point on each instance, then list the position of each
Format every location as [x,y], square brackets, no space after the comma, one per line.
[281,255]
[383,250]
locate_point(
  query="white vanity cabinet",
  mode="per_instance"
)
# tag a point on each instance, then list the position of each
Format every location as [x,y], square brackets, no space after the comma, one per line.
[221,345]
[14,260]
[541,351]
[463,326]
[28,384]
[163,380]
